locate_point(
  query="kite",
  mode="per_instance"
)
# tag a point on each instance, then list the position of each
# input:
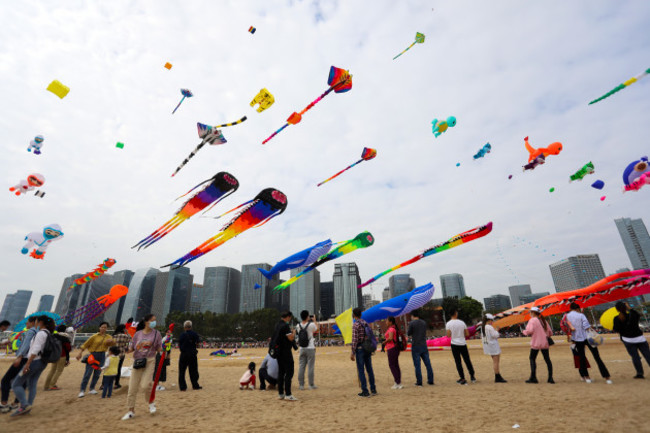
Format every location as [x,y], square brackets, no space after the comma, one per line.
[257,286]
[94,274]
[220,186]
[33,181]
[20,326]
[446,341]
[39,193]
[366,155]
[636,174]
[483,151]
[119,145]
[603,198]
[362,240]
[208,134]
[586,169]
[509,176]
[551,190]
[187,93]
[458,164]
[166,341]
[95,307]
[42,240]
[607,318]
[622,86]
[611,288]
[36,144]
[58,88]
[264,98]
[303,258]
[462,238]
[252,30]
[269,203]
[168,66]
[599,184]
[441,126]
[339,80]
[419,39]
[538,156]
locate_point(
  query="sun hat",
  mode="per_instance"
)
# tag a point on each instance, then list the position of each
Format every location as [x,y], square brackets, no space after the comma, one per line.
[489,316]
[535,309]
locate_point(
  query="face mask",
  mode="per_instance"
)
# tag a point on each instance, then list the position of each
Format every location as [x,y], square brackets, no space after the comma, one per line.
[152,324]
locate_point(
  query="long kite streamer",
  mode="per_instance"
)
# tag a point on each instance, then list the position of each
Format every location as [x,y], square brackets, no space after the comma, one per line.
[419,39]
[208,135]
[269,203]
[94,274]
[470,235]
[362,240]
[622,86]
[187,93]
[339,80]
[95,307]
[366,155]
[221,186]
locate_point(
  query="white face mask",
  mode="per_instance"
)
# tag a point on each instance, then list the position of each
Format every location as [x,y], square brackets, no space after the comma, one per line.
[152,324]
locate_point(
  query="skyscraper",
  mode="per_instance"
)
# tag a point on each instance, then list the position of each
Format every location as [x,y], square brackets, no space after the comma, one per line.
[281,299]
[636,241]
[15,306]
[400,284]
[525,299]
[305,293]
[497,303]
[346,279]
[172,291]
[452,286]
[576,272]
[517,291]
[139,300]
[114,314]
[252,298]
[45,303]
[6,306]
[195,298]
[221,290]
[326,299]
[385,294]
[65,295]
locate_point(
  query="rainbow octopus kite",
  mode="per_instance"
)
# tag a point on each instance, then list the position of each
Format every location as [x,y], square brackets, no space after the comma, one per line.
[187,93]
[95,308]
[362,240]
[269,203]
[339,80]
[94,274]
[469,235]
[208,135]
[538,156]
[221,186]
[636,175]
[366,155]
[419,39]
[622,86]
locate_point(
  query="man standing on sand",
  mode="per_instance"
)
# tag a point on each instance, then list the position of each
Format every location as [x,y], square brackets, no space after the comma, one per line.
[363,358]
[457,331]
[284,338]
[306,330]
[187,360]
[418,331]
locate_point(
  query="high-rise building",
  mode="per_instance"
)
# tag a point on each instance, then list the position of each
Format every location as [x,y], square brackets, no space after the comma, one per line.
[365,300]
[139,300]
[576,272]
[497,303]
[172,291]
[195,298]
[400,284]
[45,303]
[221,290]
[305,293]
[80,295]
[452,286]
[15,306]
[326,299]
[114,314]
[66,294]
[385,294]
[279,299]
[254,298]
[636,241]
[346,279]
[525,299]
[517,291]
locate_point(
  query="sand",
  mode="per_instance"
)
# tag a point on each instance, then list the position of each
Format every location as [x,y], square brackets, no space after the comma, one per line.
[568,406]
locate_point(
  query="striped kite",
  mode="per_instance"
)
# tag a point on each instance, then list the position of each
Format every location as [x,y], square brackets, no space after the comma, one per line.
[208,135]
[419,39]
[366,155]
[94,274]
[622,86]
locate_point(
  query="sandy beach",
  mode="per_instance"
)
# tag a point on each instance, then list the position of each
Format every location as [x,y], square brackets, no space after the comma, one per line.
[334,406]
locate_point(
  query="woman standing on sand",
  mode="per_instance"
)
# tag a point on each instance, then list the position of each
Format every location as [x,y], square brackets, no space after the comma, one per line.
[392,350]
[540,332]
[491,345]
[97,345]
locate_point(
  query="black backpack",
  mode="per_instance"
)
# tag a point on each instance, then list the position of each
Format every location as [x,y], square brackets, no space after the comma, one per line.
[274,345]
[52,348]
[303,336]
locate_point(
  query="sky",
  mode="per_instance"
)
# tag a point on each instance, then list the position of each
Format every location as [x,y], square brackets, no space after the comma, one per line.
[504,69]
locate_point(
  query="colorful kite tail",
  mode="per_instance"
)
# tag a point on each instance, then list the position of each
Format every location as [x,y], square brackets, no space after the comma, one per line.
[186,160]
[160,233]
[237,122]
[407,48]
[275,133]
[337,174]
[179,104]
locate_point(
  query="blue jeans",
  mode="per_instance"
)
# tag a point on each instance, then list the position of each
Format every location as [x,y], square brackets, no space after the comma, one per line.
[101,357]
[107,384]
[365,359]
[29,382]
[421,352]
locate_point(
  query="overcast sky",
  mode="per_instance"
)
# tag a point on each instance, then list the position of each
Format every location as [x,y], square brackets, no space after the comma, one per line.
[504,69]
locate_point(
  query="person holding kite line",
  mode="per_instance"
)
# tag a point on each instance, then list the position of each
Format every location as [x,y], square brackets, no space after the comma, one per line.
[579,327]
[539,332]
[627,325]
[457,331]
[491,345]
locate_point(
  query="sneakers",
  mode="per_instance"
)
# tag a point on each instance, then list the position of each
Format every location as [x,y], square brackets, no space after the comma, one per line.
[473,379]
[152,407]
[251,387]
[499,379]
[197,388]
[117,387]
[21,411]
[461,382]
[399,386]
[313,387]
[54,388]
[291,398]
[373,393]
[532,380]
[160,388]
[587,380]
[639,376]
[128,415]
[417,384]
[281,396]
[550,380]
[92,392]
[609,382]
[81,394]
[5,408]
[363,394]
[241,387]
[301,387]
[394,386]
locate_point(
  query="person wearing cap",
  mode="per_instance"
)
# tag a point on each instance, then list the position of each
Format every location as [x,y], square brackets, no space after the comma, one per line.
[579,327]
[539,332]
[491,345]
[627,325]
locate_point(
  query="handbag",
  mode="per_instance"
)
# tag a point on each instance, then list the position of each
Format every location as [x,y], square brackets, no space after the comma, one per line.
[139,363]
[550,341]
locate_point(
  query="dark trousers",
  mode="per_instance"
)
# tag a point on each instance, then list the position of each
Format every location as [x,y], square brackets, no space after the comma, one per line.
[364,360]
[580,348]
[119,371]
[459,351]
[533,363]
[421,353]
[264,377]
[163,371]
[188,361]
[393,363]
[285,373]
[8,379]
[107,384]
[91,372]
[632,348]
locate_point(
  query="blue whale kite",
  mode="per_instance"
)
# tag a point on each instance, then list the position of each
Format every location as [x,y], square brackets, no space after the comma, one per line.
[304,258]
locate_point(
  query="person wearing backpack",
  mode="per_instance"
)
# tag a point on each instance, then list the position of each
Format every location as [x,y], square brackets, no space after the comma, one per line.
[42,350]
[306,330]
[393,347]
[64,360]
[362,350]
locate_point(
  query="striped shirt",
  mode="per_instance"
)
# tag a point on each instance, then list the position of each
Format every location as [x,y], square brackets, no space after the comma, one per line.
[122,341]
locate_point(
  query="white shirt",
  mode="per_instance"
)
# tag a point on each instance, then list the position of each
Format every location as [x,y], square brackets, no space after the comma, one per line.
[37,343]
[311,328]
[457,328]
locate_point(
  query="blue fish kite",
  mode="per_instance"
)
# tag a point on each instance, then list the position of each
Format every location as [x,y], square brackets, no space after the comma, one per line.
[483,151]
[257,286]
[304,258]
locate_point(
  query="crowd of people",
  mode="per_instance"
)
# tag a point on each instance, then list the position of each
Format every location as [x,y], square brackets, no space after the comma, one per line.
[43,343]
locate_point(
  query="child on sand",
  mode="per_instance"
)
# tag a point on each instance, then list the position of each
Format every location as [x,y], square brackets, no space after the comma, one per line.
[110,371]
[247,381]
